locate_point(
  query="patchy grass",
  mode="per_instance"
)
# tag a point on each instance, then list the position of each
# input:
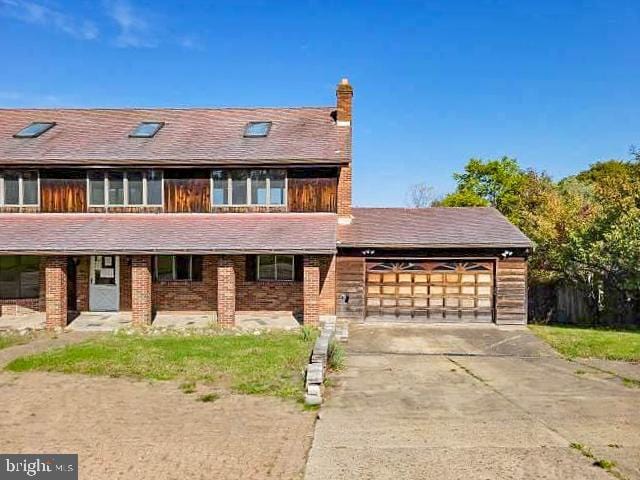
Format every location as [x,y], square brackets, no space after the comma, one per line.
[605,464]
[266,364]
[577,342]
[11,339]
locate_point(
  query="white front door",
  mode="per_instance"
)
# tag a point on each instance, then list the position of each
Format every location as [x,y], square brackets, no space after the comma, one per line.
[104,283]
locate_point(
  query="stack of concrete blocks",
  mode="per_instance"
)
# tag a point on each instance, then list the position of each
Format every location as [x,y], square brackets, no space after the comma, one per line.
[316,370]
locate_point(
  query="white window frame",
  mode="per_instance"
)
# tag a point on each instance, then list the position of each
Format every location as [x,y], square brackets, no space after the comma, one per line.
[125,186]
[275,269]
[249,202]
[20,190]
[173,269]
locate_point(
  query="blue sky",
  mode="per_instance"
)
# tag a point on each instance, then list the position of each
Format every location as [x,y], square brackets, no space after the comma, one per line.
[555,84]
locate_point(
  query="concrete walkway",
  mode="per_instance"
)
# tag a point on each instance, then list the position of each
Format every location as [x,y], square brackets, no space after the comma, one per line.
[470,403]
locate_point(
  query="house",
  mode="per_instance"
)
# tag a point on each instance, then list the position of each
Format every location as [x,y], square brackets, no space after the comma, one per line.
[227,210]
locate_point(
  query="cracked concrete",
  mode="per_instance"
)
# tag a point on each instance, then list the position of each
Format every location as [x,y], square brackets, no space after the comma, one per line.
[473,403]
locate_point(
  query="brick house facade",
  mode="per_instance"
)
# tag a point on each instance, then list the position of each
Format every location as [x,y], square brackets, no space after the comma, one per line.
[226,211]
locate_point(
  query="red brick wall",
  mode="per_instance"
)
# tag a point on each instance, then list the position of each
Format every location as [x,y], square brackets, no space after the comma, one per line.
[82,283]
[56,291]
[226,291]
[344,191]
[311,290]
[186,296]
[141,298]
[327,302]
[265,295]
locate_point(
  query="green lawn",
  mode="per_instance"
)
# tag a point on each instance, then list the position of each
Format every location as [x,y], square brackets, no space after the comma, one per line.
[8,340]
[269,364]
[576,342]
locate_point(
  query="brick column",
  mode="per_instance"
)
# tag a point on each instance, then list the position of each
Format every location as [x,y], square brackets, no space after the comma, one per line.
[55,272]
[311,290]
[226,292]
[141,302]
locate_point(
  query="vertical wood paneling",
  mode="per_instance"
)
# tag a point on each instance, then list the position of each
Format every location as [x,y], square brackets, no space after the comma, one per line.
[63,194]
[187,195]
[312,194]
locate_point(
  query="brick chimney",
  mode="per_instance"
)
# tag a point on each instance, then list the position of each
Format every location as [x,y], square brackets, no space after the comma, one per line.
[344,93]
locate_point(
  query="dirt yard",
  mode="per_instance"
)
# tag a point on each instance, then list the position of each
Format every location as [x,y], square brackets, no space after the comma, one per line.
[124,429]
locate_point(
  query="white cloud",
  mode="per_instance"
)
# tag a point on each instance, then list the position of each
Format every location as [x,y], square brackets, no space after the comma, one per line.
[39,14]
[134,29]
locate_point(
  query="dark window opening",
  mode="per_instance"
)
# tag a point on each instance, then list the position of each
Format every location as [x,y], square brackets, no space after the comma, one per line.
[19,277]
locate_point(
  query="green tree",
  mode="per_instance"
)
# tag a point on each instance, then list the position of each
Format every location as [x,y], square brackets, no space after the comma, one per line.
[493,183]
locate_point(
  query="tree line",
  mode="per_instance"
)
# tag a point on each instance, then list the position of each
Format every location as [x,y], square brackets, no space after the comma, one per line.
[586,228]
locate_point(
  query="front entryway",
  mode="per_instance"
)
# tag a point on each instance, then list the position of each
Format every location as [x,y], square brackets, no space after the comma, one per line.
[104,283]
[429,291]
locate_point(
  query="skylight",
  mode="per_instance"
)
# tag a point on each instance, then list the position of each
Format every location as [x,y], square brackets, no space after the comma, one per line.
[34,130]
[257,129]
[146,129]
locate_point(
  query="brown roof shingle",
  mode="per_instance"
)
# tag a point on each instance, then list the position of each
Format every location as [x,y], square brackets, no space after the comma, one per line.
[167,233]
[190,136]
[430,228]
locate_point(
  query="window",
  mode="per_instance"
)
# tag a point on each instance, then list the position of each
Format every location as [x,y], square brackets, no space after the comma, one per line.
[170,268]
[257,129]
[34,130]
[248,187]
[19,188]
[275,267]
[130,188]
[146,129]
[19,277]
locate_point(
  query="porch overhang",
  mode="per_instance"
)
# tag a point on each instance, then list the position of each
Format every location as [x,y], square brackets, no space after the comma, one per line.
[155,234]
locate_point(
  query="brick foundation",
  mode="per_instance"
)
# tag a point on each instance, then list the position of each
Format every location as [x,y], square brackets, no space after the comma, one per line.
[311,287]
[141,297]
[226,292]
[56,292]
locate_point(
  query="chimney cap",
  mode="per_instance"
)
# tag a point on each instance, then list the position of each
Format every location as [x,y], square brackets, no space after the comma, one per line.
[344,81]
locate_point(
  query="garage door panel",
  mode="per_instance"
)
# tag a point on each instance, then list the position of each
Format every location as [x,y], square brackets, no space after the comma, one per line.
[428,292]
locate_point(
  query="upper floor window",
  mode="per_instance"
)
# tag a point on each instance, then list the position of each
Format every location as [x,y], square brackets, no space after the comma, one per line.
[19,188]
[248,187]
[125,188]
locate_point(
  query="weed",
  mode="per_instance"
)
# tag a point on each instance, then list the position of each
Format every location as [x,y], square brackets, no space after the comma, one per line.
[631,382]
[307,333]
[188,387]
[604,464]
[336,356]
[581,372]
[209,397]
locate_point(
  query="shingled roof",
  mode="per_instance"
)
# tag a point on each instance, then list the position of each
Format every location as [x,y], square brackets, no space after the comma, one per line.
[472,227]
[192,136]
[79,234]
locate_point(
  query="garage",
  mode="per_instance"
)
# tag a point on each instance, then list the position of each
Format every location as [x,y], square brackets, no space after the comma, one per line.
[429,291]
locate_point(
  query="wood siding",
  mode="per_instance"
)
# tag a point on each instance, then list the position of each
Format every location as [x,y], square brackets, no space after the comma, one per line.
[312,190]
[187,192]
[63,192]
[511,291]
[350,285]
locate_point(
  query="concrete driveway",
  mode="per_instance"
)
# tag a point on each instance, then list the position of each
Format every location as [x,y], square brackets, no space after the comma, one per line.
[471,403]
